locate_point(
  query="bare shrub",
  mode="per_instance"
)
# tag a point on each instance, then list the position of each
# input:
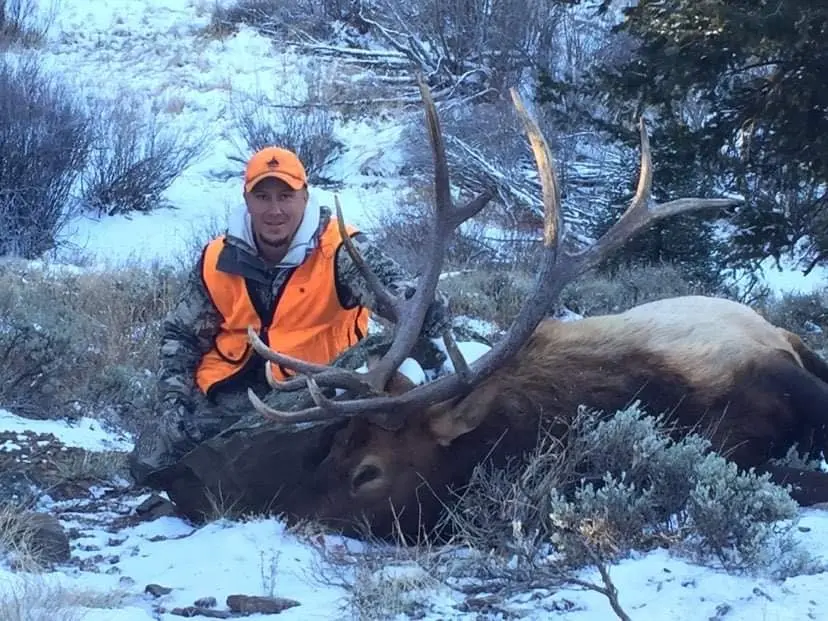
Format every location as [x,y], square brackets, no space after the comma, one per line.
[468,47]
[22,23]
[598,294]
[307,130]
[487,150]
[257,13]
[134,161]
[381,581]
[45,140]
[279,19]
[805,314]
[400,229]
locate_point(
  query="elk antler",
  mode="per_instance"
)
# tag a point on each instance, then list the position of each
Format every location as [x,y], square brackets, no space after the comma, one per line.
[558,267]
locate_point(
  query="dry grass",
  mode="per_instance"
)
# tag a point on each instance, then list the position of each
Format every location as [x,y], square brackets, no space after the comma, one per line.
[16,539]
[381,581]
[79,466]
[36,598]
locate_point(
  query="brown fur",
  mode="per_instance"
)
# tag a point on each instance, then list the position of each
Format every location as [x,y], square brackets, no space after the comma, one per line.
[714,365]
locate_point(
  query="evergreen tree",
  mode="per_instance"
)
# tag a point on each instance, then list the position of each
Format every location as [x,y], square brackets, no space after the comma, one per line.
[737,100]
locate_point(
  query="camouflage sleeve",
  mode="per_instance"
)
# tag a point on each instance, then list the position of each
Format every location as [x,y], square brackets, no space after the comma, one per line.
[188,332]
[353,290]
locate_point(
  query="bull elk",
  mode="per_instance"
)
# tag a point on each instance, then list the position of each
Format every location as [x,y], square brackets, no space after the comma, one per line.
[712,363]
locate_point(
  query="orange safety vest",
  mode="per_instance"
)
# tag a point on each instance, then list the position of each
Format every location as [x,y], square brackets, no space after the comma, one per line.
[308,323]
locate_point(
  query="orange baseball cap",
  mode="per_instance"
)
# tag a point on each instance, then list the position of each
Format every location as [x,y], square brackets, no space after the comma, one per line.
[275,162]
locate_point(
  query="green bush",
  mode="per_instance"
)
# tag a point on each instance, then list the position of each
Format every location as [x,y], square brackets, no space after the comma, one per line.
[805,314]
[599,294]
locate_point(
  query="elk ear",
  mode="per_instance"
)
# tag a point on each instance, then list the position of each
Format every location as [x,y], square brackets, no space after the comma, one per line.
[450,420]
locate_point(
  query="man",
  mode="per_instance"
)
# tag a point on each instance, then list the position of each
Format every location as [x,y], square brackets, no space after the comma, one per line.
[281,267]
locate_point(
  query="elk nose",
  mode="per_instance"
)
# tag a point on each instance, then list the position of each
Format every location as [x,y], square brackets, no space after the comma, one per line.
[365,474]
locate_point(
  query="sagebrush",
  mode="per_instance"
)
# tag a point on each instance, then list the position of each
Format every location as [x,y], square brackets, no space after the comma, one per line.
[617,484]
[81,341]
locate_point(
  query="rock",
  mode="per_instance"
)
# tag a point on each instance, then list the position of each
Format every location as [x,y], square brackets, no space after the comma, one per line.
[156,590]
[205,602]
[251,604]
[197,611]
[47,539]
[154,507]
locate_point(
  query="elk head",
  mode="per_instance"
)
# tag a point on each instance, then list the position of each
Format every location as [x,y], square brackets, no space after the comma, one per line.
[393,443]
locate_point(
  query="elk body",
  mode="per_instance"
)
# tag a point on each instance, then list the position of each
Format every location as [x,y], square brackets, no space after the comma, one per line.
[714,366]
[390,458]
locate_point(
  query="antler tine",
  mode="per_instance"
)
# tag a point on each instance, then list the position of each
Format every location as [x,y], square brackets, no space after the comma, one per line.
[446,219]
[641,213]
[387,302]
[290,362]
[325,375]
[442,181]
[553,274]
[552,219]
[461,367]
[326,409]
[332,377]
[645,175]
[448,214]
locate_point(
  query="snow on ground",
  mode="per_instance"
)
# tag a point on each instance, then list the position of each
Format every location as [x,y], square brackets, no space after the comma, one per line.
[149,49]
[261,557]
[86,433]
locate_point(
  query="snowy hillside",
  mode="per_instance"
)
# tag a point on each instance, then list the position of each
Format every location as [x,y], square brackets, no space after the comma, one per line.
[151,49]
[154,50]
[119,50]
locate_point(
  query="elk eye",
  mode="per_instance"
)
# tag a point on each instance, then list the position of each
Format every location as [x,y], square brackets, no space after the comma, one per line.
[365,474]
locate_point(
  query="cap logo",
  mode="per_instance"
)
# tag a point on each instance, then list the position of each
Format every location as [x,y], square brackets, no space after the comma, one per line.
[273,163]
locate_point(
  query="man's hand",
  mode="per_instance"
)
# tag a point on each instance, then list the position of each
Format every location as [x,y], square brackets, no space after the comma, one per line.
[178,423]
[438,317]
